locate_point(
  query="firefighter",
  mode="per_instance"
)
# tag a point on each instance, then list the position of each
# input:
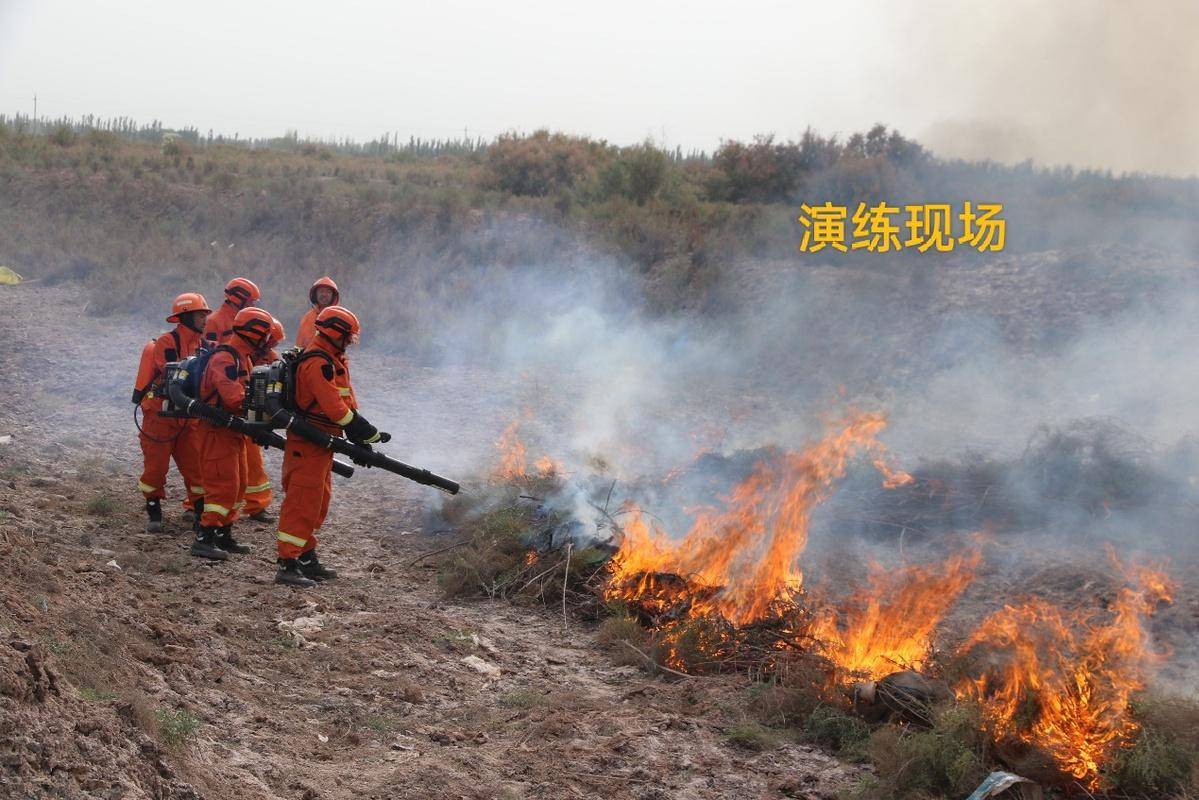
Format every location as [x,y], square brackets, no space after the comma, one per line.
[223,467]
[325,397]
[239,293]
[163,438]
[322,295]
[258,483]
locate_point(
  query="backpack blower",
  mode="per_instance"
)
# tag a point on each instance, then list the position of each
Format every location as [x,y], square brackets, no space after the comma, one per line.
[182,382]
[270,401]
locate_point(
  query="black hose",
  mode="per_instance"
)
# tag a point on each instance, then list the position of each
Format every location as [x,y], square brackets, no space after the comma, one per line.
[261,433]
[362,455]
[142,430]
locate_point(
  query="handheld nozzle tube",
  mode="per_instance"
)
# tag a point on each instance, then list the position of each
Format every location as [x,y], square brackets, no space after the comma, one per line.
[360,454]
[260,433]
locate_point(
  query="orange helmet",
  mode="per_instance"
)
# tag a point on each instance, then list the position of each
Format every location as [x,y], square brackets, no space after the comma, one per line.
[277,332]
[242,290]
[188,301]
[253,325]
[338,324]
[327,283]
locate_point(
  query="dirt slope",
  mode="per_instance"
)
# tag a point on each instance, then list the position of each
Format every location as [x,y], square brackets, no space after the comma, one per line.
[129,669]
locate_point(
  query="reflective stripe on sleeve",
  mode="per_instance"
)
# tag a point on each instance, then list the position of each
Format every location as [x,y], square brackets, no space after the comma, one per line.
[287,537]
[346,419]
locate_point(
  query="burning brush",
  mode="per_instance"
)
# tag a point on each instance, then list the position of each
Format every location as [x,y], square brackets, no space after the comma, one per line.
[730,596]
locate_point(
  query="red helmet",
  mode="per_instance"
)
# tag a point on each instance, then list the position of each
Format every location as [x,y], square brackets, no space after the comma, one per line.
[327,283]
[338,324]
[188,301]
[253,325]
[243,291]
[277,333]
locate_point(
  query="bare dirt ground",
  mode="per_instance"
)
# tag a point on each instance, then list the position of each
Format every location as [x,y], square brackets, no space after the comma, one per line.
[129,669]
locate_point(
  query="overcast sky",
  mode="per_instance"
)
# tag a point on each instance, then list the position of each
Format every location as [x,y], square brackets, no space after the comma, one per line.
[1088,82]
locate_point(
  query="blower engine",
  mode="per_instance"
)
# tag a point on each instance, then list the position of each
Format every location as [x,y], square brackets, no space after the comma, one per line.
[181,384]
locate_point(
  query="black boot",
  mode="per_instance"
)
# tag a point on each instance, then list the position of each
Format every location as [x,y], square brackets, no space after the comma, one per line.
[311,566]
[199,504]
[263,516]
[154,512]
[204,545]
[225,541]
[289,574]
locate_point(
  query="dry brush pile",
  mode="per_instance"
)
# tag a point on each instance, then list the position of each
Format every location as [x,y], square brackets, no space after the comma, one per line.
[1054,687]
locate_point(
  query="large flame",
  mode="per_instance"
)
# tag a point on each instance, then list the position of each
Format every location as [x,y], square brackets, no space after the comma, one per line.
[1061,679]
[739,561]
[889,624]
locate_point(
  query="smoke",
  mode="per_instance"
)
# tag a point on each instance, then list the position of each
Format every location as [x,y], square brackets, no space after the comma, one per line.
[959,360]
[1101,84]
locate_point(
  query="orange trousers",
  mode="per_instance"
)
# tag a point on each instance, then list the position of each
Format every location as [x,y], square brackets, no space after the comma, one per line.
[258,483]
[223,470]
[162,439]
[307,489]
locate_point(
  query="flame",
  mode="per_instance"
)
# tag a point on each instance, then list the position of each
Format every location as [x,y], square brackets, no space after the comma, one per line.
[511,464]
[547,467]
[1061,679]
[740,561]
[892,478]
[888,624]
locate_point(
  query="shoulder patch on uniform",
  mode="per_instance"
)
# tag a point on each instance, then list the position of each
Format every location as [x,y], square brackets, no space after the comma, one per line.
[327,371]
[231,372]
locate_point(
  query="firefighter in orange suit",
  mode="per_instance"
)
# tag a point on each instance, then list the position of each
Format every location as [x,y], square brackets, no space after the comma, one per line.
[325,397]
[322,295]
[223,451]
[239,293]
[258,483]
[163,438]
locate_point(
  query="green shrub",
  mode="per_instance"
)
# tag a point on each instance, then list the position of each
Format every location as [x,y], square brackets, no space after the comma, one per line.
[1164,758]
[751,736]
[1154,766]
[496,552]
[830,727]
[63,136]
[947,759]
[176,727]
[102,504]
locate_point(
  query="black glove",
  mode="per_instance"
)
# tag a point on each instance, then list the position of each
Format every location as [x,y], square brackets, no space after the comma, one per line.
[384,437]
[359,431]
[138,394]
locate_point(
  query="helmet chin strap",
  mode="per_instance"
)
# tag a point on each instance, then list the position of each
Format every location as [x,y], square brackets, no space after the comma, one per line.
[187,319]
[341,347]
[261,345]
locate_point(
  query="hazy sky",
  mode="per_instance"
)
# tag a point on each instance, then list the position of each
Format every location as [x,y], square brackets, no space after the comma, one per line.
[1089,82]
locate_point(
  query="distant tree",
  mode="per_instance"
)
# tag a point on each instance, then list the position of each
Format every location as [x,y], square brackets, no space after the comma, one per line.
[539,164]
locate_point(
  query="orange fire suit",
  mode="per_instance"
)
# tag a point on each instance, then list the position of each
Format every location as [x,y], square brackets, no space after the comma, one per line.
[223,451]
[258,483]
[307,330]
[325,398]
[220,322]
[163,438]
